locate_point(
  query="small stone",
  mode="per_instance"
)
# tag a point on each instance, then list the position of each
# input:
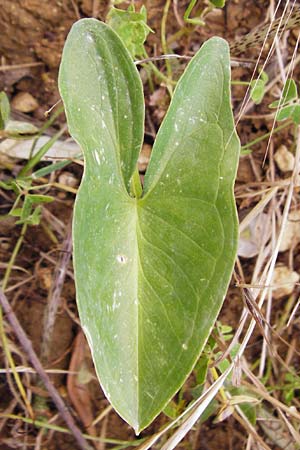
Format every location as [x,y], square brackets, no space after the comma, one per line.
[245,172]
[68,179]
[284,159]
[45,277]
[291,233]
[24,102]
[284,281]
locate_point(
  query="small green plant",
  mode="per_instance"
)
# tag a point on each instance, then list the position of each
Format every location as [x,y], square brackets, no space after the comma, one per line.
[13,128]
[28,206]
[152,263]
[132,28]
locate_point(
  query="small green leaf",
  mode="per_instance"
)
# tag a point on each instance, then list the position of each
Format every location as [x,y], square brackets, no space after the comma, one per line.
[218,3]
[6,185]
[16,212]
[28,213]
[285,112]
[26,209]
[289,91]
[50,169]
[132,28]
[289,94]
[246,401]
[33,219]
[296,115]
[36,198]
[4,110]
[151,271]
[250,412]
[289,112]
[257,91]
[201,369]
[171,410]
[36,158]
[264,76]
[258,88]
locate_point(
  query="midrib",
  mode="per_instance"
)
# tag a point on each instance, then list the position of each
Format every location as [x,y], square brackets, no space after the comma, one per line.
[137,259]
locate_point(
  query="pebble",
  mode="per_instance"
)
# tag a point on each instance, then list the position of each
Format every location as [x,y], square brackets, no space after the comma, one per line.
[284,279]
[284,159]
[24,102]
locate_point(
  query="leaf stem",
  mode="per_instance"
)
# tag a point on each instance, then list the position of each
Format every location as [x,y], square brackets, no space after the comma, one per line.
[240,83]
[135,184]
[265,136]
[53,427]
[164,42]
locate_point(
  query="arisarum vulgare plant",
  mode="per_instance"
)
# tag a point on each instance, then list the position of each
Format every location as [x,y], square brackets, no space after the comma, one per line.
[152,263]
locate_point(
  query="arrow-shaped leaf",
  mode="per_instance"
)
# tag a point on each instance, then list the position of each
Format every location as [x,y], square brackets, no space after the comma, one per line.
[151,272]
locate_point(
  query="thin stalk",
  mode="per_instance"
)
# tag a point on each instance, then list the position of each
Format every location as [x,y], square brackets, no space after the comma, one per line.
[164,42]
[53,427]
[13,256]
[265,136]
[42,151]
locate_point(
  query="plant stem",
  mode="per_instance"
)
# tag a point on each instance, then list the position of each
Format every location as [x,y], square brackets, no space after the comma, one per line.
[136,187]
[164,41]
[239,83]
[59,429]
[13,256]
[265,136]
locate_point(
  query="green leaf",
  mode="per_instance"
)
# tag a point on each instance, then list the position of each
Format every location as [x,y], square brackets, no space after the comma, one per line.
[16,212]
[296,115]
[289,93]
[289,112]
[245,400]
[37,198]
[50,169]
[218,3]
[4,110]
[132,28]
[257,91]
[201,369]
[171,410]
[33,219]
[258,86]
[151,272]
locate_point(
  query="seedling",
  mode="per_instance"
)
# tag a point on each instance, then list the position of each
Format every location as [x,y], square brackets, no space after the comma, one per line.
[27,206]
[13,128]
[152,263]
[132,27]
